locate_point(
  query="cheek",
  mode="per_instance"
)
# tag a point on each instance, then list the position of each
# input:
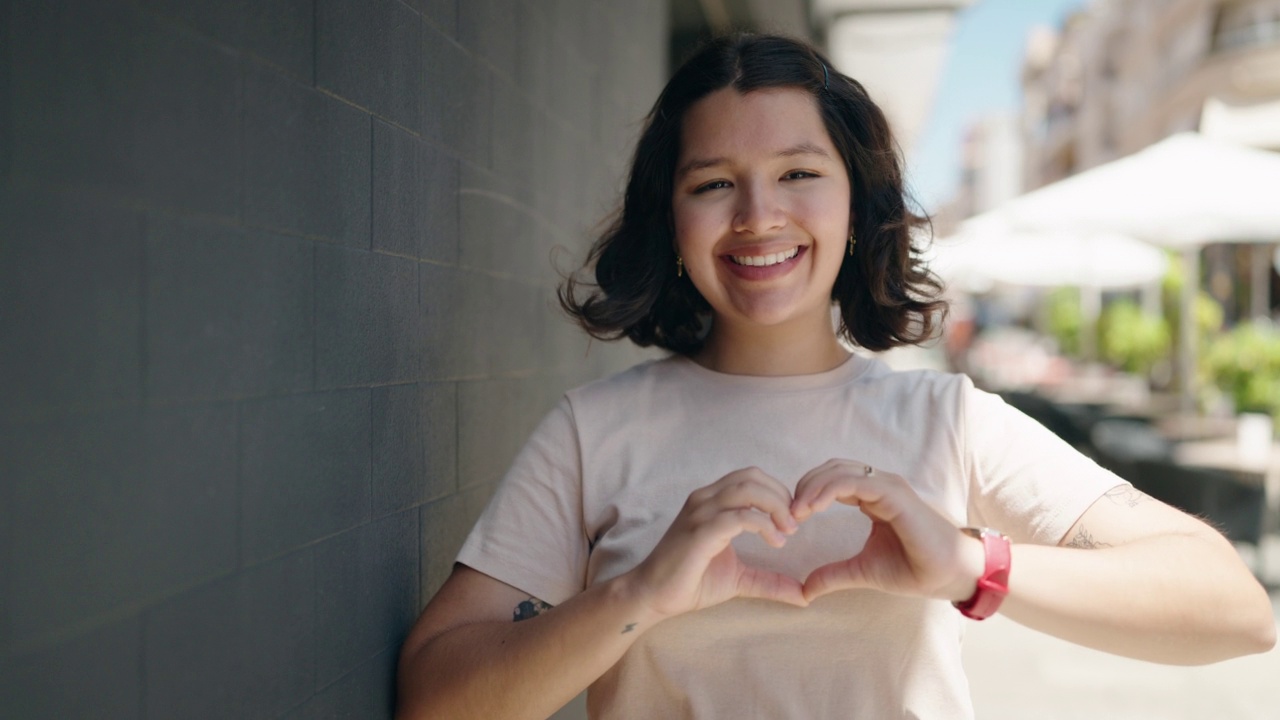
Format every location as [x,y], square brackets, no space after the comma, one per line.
[827,218]
[695,229]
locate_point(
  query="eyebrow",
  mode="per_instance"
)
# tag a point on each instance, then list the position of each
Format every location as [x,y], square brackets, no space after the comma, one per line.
[703,163]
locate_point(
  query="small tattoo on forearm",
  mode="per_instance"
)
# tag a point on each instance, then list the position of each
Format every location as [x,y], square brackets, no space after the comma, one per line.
[533,607]
[628,628]
[1127,496]
[1084,541]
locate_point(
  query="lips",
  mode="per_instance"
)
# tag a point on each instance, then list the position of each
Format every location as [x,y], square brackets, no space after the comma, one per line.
[764,266]
[765,260]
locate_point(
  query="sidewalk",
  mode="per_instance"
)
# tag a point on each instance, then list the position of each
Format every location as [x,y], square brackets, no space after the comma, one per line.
[1016,673]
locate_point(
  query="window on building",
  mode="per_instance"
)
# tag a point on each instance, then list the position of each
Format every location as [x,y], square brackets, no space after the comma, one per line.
[1246,23]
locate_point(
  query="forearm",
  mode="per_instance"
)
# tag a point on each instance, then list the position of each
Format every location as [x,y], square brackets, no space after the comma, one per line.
[526,669]
[1179,599]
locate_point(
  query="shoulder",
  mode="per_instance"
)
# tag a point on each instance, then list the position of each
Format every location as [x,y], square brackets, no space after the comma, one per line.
[629,386]
[925,386]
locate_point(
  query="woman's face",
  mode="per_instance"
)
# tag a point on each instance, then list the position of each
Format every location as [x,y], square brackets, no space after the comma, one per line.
[761,206]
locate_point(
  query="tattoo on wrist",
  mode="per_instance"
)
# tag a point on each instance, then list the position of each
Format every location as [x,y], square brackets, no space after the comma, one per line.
[533,607]
[628,628]
[1084,541]
[1126,496]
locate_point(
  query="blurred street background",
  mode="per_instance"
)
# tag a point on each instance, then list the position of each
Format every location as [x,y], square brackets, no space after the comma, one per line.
[1146,341]
[1015,673]
[276,305]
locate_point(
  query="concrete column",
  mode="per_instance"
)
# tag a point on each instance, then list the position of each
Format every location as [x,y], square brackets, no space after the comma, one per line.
[1187,331]
[898,57]
[1260,281]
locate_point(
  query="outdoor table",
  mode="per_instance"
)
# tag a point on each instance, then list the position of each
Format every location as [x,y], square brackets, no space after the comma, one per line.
[1259,469]
[1192,427]
[1099,391]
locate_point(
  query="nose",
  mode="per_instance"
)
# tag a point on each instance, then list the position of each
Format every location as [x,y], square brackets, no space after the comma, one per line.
[759,209]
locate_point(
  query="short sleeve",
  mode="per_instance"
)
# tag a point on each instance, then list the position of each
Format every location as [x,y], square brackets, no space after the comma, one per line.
[1024,480]
[531,534]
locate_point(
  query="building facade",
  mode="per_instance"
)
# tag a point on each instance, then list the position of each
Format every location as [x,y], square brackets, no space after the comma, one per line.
[1123,74]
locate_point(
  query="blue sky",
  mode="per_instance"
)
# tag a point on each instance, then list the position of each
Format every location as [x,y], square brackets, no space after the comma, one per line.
[979,77]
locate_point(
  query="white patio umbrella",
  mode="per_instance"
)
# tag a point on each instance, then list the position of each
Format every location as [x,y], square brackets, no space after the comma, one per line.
[986,251]
[1183,192]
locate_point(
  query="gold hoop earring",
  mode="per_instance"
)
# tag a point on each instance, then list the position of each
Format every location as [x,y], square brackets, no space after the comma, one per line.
[852,241]
[679,266]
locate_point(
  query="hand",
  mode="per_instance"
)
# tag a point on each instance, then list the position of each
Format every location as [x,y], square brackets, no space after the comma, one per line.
[694,565]
[913,549]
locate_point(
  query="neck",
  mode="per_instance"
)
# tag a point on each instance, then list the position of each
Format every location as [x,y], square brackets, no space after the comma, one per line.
[777,351]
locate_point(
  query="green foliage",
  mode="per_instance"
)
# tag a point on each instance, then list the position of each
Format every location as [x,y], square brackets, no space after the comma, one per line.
[1131,339]
[1245,364]
[1065,319]
[1208,311]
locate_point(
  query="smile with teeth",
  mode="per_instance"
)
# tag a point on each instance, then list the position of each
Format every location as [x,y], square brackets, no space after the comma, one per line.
[765,260]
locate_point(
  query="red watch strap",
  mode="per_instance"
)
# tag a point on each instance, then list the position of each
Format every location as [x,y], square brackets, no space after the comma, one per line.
[994,583]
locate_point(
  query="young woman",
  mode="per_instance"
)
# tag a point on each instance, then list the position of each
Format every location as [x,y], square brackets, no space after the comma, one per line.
[763,524]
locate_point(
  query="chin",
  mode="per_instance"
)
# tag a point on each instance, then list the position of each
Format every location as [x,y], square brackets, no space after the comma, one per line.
[765,316]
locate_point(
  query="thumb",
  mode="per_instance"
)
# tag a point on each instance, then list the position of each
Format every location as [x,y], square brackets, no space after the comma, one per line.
[842,575]
[766,585]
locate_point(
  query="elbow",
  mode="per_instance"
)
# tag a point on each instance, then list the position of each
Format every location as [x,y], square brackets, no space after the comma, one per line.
[1261,631]
[1264,638]
[409,696]
[1254,634]
[1229,644]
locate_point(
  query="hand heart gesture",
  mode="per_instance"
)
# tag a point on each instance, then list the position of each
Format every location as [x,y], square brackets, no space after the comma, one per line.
[912,550]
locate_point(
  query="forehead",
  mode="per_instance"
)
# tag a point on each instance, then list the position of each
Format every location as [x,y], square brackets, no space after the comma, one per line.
[730,124]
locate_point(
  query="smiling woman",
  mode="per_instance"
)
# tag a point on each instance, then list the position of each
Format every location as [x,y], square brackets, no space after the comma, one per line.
[762,218]
[763,524]
[818,130]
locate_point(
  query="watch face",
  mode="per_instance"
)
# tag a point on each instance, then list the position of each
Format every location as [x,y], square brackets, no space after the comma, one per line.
[981,532]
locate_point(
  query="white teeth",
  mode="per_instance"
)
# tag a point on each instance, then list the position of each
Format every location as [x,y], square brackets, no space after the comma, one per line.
[765,260]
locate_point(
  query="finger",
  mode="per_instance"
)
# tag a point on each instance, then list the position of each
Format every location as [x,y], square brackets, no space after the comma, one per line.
[731,523]
[808,489]
[805,487]
[893,501]
[847,481]
[753,488]
[775,489]
[768,585]
[843,575]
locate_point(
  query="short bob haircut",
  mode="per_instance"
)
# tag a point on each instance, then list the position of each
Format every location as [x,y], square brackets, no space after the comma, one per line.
[887,297]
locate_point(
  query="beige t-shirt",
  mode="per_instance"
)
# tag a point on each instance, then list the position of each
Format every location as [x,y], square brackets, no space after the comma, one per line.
[603,476]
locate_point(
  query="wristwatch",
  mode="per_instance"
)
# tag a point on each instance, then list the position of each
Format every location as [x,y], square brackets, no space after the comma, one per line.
[994,583]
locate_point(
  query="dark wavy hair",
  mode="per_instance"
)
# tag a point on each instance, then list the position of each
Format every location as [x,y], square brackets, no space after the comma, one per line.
[887,296]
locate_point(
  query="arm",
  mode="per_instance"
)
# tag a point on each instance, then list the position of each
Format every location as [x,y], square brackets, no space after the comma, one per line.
[468,655]
[466,658]
[1157,584]
[1138,578]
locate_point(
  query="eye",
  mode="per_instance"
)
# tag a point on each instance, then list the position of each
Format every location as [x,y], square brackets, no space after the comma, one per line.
[713,185]
[800,175]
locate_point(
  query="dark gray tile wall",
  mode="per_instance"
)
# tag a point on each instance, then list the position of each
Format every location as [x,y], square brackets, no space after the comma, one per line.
[277,309]
[70,303]
[241,647]
[306,160]
[95,675]
[228,310]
